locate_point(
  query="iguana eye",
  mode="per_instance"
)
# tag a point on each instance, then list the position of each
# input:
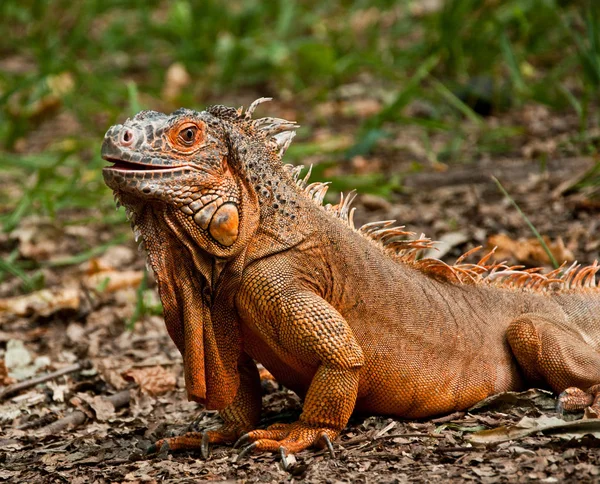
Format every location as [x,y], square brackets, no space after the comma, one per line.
[188,135]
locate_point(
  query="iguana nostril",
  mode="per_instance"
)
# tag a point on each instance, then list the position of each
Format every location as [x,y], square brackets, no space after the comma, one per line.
[126,137]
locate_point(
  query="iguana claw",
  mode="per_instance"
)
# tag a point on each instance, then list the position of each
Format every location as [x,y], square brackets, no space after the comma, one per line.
[204,448]
[249,448]
[286,438]
[329,445]
[241,441]
[245,451]
[155,449]
[284,462]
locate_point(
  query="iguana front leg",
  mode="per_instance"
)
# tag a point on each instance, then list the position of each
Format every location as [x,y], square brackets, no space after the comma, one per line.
[299,323]
[239,417]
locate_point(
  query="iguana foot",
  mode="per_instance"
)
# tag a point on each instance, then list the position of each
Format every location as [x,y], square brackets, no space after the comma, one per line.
[574,398]
[287,439]
[197,440]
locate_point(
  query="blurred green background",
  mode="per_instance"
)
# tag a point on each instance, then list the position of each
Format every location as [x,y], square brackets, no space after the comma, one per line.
[455,74]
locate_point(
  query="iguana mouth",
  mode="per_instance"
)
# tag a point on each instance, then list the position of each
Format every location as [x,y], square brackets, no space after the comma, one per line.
[121,165]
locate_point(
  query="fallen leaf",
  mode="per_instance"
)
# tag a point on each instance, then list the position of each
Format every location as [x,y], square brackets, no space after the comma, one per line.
[265,374]
[112,280]
[445,244]
[110,375]
[42,303]
[4,378]
[9,412]
[155,379]
[8,475]
[78,402]
[104,408]
[16,354]
[58,391]
[528,426]
[38,238]
[534,397]
[529,251]
[539,148]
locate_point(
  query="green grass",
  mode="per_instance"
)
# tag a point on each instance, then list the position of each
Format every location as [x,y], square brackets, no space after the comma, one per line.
[101,60]
[535,232]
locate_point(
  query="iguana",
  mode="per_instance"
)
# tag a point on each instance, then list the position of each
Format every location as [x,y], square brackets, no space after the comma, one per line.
[252,267]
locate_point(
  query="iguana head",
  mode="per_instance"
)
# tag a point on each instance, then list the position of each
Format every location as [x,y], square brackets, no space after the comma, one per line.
[207,165]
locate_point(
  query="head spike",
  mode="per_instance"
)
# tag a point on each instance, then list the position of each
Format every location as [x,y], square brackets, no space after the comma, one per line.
[254,105]
[283,141]
[273,126]
[307,176]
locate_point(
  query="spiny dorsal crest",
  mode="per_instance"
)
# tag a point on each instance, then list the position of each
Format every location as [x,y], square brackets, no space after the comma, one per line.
[404,247]
[276,131]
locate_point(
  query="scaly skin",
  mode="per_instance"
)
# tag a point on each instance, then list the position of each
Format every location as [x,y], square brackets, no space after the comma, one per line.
[250,268]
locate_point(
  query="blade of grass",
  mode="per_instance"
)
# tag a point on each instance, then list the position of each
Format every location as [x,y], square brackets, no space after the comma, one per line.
[528,222]
[18,213]
[140,305]
[133,96]
[407,93]
[573,101]
[449,96]
[86,255]
[513,65]
[371,131]
[29,284]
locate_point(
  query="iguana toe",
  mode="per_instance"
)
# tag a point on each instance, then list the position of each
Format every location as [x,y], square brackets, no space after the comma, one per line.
[574,398]
[196,440]
[287,439]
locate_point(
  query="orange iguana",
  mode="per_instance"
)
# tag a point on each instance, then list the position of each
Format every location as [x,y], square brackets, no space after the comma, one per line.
[251,267]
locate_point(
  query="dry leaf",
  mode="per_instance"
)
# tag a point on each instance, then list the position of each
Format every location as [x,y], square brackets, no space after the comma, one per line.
[265,374]
[116,280]
[4,378]
[154,380]
[110,375]
[77,402]
[17,356]
[102,407]
[533,397]
[39,238]
[42,303]
[539,148]
[58,391]
[529,251]
[549,425]
[445,244]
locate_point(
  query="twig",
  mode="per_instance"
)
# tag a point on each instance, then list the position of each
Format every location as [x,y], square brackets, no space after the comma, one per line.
[365,438]
[45,420]
[448,418]
[456,449]
[24,385]
[77,417]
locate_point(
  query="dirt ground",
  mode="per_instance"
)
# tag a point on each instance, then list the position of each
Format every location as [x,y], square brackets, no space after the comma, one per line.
[124,389]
